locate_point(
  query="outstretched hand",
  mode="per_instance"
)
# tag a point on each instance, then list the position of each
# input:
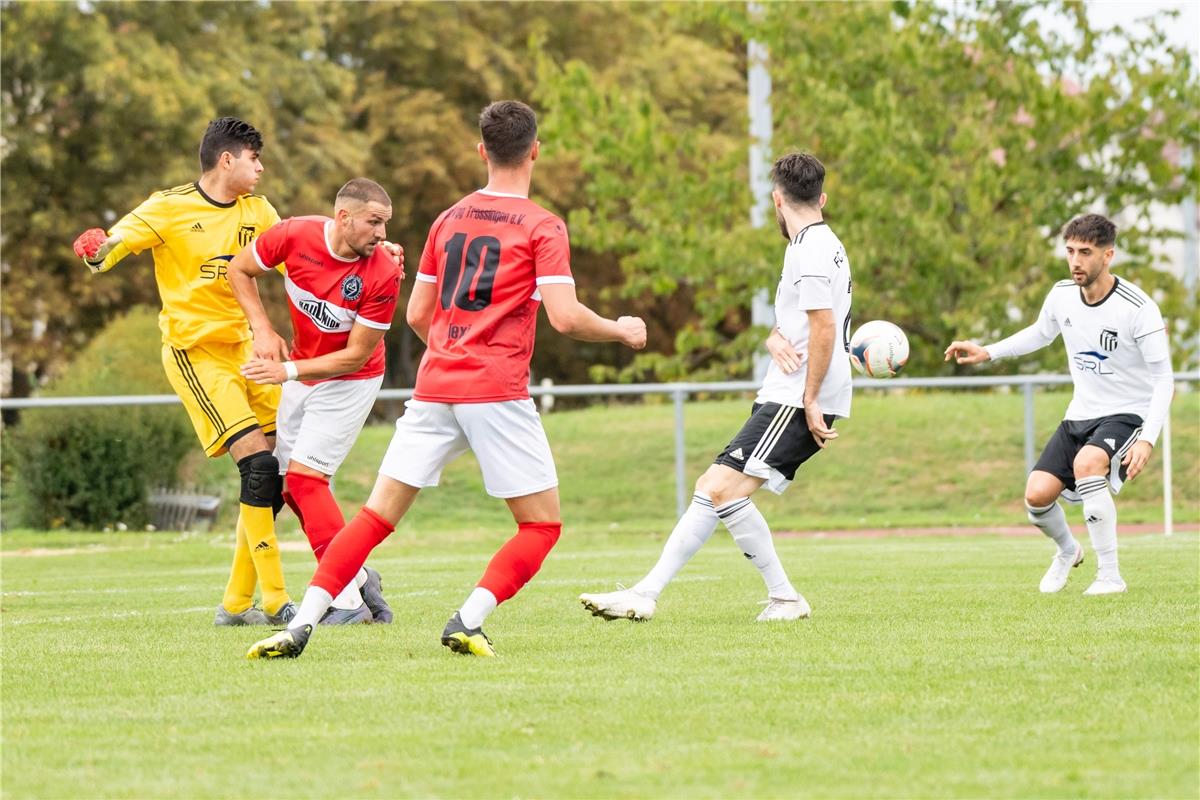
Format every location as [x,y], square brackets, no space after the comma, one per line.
[966,353]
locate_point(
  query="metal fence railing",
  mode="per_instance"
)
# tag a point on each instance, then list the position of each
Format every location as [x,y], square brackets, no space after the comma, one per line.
[679,393]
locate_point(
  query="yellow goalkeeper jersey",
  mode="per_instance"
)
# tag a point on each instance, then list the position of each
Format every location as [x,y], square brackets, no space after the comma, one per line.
[193,238]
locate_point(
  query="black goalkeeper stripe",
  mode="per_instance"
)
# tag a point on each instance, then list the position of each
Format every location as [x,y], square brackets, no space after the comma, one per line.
[193,382]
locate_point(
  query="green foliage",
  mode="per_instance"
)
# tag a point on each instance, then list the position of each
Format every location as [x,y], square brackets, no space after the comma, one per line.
[92,467]
[957,147]
[959,139]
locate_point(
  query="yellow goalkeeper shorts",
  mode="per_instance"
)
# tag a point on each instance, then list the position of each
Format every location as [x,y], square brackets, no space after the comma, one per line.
[220,402]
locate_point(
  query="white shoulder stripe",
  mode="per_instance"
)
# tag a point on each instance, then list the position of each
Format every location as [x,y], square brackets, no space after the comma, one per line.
[379,326]
[257,258]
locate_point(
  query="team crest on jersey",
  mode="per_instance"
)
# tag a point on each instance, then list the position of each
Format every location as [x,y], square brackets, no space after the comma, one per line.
[1108,339]
[245,234]
[352,287]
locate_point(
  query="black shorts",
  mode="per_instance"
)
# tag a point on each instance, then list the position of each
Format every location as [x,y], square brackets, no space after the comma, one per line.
[774,438]
[1114,435]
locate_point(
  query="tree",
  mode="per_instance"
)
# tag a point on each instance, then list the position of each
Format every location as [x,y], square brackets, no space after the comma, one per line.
[957,147]
[104,104]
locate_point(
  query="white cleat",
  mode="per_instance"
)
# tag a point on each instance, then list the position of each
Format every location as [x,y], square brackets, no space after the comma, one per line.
[1106,585]
[1060,569]
[785,610]
[621,604]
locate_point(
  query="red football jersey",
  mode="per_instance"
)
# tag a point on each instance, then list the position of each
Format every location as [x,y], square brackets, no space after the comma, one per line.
[488,254]
[328,294]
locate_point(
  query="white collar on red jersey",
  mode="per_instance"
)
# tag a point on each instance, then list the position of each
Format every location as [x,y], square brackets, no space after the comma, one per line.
[490,193]
[329,247]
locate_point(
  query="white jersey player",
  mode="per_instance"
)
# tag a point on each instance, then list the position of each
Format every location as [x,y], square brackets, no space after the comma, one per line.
[1117,352]
[806,388]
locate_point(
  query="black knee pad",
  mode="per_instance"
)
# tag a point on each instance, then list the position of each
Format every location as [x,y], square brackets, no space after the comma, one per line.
[261,482]
[277,502]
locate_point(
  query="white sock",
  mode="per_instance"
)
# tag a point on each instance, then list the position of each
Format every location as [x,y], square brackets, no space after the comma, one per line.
[316,603]
[753,535]
[361,577]
[1053,522]
[349,598]
[479,604]
[1101,514]
[693,529]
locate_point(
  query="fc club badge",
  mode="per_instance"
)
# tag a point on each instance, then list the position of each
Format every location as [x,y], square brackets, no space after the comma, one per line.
[1108,339]
[351,287]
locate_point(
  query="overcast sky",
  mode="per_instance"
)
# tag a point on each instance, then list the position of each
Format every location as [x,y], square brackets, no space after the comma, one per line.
[1184,30]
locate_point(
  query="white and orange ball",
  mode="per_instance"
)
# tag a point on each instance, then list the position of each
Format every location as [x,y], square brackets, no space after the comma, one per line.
[879,349]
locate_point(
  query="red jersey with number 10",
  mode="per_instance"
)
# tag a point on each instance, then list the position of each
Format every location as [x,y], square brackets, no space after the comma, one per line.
[488,254]
[329,294]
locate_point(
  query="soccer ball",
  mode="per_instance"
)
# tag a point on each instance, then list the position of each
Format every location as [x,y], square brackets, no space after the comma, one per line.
[879,349]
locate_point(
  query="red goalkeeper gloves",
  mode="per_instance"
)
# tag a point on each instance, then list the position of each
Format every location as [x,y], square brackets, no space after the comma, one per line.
[88,245]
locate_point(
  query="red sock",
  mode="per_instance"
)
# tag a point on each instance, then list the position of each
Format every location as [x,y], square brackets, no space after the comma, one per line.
[311,499]
[519,559]
[348,551]
[291,503]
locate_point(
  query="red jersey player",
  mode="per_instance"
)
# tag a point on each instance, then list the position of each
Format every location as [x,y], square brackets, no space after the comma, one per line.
[342,289]
[488,264]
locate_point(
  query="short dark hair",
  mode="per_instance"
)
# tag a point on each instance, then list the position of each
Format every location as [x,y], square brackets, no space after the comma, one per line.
[509,128]
[1093,229]
[364,190]
[227,134]
[800,177]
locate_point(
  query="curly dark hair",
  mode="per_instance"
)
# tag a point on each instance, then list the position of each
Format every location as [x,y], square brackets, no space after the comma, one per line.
[1093,229]
[227,134]
[800,177]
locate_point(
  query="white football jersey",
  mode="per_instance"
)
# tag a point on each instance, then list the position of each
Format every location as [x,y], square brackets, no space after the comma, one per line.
[1108,345]
[816,275]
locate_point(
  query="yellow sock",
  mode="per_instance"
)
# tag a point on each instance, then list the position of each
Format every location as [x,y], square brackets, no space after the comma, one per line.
[239,591]
[264,549]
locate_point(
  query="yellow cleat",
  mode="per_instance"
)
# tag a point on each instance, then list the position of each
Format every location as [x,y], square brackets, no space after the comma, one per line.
[467,641]
[288,643]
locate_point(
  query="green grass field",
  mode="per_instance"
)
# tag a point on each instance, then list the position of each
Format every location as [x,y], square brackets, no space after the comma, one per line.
[932,667]
[911,459]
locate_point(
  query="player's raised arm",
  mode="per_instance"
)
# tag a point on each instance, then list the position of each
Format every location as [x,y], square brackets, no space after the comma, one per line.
[99,251]
[1041,333]
[244,270]
[572,318]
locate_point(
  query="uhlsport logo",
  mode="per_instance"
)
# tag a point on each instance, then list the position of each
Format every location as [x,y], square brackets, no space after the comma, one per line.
[1108,339]
[352,287]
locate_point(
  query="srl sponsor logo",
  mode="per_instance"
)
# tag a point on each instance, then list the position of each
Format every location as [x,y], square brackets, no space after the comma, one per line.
[1092,361]
[215,267]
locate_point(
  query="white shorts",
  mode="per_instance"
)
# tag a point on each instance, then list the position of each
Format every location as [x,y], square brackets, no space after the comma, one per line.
[317,425]
[506,437]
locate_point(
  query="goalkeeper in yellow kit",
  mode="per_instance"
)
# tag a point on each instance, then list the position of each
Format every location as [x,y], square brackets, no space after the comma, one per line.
[194,230]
